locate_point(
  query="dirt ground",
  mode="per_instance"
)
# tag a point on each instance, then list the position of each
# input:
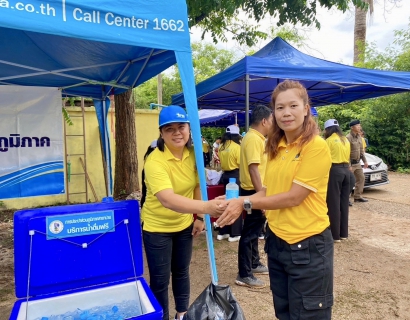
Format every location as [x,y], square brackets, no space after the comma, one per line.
[372,268]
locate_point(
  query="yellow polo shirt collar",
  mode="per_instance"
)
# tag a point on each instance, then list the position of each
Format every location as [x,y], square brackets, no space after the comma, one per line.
[169,156]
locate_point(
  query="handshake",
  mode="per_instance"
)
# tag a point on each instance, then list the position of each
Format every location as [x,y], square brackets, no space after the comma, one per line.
[227,211]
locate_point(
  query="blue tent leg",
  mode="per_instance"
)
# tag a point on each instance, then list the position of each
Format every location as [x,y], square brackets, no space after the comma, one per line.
[107,150]
[184,60]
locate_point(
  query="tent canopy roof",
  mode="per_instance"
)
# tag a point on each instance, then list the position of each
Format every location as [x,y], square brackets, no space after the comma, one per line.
[79,67]
[326,82]
[88,48]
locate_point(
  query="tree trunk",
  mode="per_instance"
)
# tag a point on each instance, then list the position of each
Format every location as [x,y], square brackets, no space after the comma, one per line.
[126,162]
[360,28]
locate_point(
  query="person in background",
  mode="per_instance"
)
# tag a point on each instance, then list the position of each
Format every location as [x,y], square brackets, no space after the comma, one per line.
[205,151]
[172,196]
[357,153]
[338,189]
[299,243]
[365,142]
[352,182]
[215,157]
[229,155]
[251,173]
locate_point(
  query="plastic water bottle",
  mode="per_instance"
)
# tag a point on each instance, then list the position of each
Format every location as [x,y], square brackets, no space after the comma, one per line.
[232,189]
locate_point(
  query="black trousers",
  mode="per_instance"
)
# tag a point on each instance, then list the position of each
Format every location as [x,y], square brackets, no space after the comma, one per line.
[352,181]
[169,253]
[337,199]
[206,158]
[234,229]
[301,276]
[248,252]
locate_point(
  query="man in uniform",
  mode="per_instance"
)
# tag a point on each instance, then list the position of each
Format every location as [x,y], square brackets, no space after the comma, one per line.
[357,153]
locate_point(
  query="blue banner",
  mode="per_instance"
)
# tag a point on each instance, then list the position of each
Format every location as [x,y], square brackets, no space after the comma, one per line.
[81,224]
[146,23]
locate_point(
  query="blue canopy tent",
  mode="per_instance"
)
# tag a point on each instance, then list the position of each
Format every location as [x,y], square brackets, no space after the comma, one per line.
[221,118]
[96,48]
[251,80]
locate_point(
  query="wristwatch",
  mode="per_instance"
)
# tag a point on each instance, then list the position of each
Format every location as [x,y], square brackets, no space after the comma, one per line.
[247,206]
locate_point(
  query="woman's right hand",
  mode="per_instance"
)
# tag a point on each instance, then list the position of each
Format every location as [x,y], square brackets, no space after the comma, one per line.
[232,212]
[215,207]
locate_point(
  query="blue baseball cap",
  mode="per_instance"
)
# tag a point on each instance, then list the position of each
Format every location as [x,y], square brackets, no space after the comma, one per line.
[172,114]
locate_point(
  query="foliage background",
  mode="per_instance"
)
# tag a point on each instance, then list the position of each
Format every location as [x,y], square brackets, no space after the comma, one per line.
[385,120]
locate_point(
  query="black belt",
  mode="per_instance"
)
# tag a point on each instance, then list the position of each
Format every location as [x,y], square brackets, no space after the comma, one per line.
[340,165]
[355,161]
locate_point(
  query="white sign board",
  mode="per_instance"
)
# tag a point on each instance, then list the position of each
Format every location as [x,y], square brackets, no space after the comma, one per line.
[31,142]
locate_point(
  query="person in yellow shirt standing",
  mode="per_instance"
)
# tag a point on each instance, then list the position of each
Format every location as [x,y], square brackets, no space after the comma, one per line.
[298,243]
[251,173]
[172,196]
[229,155]
[339,187]
[205,151]
[365,142]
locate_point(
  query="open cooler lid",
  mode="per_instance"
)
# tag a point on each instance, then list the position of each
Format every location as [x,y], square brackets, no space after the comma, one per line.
[76,246]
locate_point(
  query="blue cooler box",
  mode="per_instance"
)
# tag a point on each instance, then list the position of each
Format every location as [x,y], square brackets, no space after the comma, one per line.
[79,258]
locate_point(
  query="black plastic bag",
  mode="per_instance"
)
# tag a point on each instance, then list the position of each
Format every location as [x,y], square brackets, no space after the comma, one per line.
[216,302]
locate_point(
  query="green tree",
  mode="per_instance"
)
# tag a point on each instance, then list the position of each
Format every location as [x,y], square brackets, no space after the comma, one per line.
[343,113]
[208,60]
[385,120]
[387,125]
[222,17]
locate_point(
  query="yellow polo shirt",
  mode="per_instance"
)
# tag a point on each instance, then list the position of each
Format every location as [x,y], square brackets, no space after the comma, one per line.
[339,152]
[229,155]
[309,168]
[164,171]
[252,152]
[205,146]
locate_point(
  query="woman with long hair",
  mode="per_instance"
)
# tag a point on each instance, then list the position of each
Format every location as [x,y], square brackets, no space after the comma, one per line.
[229,155]
[338,189]
[172,196]
[151,148]
[299,243]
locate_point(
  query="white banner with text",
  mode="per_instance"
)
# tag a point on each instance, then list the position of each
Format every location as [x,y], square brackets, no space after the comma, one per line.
[31,142]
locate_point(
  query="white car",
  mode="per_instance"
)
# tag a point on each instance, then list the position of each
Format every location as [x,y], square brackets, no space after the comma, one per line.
[376,173]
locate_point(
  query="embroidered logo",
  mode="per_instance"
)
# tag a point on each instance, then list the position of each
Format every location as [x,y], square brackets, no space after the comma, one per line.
[297,157]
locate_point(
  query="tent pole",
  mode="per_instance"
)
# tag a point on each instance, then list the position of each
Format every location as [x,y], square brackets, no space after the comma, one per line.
[247,102]
[107,153]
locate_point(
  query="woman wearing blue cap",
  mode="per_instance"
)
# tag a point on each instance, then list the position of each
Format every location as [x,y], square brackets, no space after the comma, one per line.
[338,189]
[172,196]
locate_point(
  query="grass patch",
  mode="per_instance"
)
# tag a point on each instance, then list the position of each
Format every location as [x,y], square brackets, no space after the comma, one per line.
[6,215]
[6,291]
